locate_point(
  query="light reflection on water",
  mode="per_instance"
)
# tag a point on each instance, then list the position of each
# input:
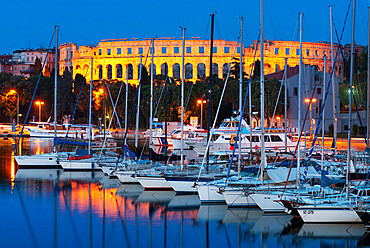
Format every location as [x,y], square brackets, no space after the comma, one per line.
[52,208]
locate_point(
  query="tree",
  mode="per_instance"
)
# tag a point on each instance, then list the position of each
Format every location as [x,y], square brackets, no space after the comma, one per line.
[37,66]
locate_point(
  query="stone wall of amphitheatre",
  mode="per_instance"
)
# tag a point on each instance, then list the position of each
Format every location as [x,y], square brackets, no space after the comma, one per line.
[107,54]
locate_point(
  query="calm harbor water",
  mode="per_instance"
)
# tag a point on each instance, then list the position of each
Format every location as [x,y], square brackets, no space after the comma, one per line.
[52,208]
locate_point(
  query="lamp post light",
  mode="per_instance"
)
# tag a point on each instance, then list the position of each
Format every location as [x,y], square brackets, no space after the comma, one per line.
[201,102]
[12,92]
[309,101]
[39,103]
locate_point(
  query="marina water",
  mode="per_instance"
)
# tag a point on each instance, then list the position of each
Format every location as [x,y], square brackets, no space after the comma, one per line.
[52,208]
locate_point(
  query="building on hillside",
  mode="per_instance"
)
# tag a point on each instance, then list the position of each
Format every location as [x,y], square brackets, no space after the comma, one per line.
[120,58]
[23,61]
[5,62]
[312,84]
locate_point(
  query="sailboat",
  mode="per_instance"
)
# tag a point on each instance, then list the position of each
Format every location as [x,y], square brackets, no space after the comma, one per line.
[49,160]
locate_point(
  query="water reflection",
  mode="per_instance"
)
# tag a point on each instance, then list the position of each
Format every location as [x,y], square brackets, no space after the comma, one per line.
[52,208]
[94,210]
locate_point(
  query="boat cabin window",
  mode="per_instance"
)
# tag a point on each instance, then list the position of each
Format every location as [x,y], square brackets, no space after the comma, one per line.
[267,138]
[214,137]
[255,139]
[227,138]
[275,138]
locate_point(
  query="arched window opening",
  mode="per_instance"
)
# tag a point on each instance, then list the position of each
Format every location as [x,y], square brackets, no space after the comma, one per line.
[130,71]
[188,71]
[119,71]
[100,72]
[215,69]
[201,71]
[164,69]
[176,71]
[225,70]
[109,71]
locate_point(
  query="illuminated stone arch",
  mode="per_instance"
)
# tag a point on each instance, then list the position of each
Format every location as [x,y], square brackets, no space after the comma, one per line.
[201,71]
[130,71]
[119,71]
[164,69]
[85,70]
[188,71]
[214,69]
[225,70]
[176,71]
[78,67]
[109,72]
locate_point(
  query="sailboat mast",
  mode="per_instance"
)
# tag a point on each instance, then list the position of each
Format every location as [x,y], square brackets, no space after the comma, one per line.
[90,103]
[126,107]
[299,97]
[368,79]
[350,94]
[182,98]
[240,93]
[151,103]
[262,89]
[209,87]
[138,107]
[333,83]
[55,83]
[286,105]
[323,115]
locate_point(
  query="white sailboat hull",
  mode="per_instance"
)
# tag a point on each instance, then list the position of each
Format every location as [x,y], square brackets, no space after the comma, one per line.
[42,161]
[210,194]
[315,214]
[154,183]
[126,177]
[79,165]
[268,202]
[238,198]
[182,186]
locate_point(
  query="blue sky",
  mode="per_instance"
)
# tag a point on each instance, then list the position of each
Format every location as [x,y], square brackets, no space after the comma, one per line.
[30,23]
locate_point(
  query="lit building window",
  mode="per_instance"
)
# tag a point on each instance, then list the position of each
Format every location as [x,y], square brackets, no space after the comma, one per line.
[226,49]
[214,50]
[164,50]
[287,51]
[188,49]
[201,49]
[140,50]
[276,50]
[129,50]
[108,51]
[118,50]
[176,50]
[99,51]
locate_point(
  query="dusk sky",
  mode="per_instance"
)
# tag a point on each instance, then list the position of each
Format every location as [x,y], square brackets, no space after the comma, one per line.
[29,24]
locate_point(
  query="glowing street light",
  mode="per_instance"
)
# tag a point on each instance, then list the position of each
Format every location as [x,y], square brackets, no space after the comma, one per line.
[39,103]
[12,92]
[201,102]
[310,101]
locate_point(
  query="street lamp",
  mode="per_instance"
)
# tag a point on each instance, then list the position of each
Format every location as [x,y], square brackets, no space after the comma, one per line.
[39,103]
[12,92]
[310,101]
[201,102]
[105,114]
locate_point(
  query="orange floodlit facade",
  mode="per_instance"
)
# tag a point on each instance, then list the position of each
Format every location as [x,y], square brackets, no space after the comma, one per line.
[120,59]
